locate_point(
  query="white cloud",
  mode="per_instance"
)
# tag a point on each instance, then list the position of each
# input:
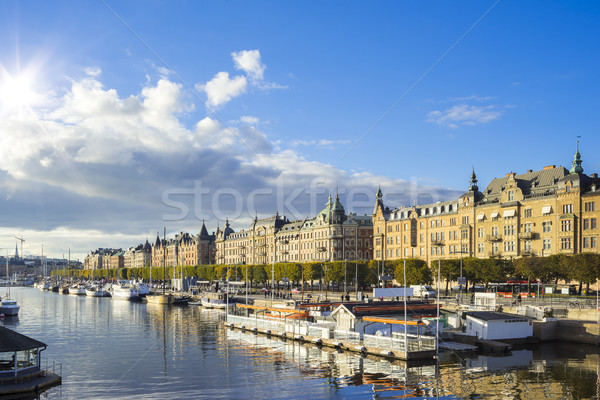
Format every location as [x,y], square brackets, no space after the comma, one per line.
[93,71]
[221,88]
[464,114]
[249,62]
[97,159]
[320,143]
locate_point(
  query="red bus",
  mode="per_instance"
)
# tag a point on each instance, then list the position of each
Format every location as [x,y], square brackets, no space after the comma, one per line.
[513,287]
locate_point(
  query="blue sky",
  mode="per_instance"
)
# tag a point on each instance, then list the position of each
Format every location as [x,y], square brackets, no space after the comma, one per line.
[119,118]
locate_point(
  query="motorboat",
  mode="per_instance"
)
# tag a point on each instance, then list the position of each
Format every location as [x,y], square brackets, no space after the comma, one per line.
[215,300]
[78,290]
[9,307]
[125,291]
[96,291]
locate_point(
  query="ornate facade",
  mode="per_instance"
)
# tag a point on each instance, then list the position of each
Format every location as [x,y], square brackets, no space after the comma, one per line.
[331,235]
[538,213]
[184,249]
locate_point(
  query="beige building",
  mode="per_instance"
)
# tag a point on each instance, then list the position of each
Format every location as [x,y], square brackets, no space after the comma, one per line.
[538,213]
[185,249]
[331,235]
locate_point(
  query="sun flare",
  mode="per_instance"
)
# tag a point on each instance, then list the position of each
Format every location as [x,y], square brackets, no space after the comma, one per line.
[16,91]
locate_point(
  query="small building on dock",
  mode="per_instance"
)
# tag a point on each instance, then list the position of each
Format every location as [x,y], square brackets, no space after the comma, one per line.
[20,370]
[351,316]
[493,325]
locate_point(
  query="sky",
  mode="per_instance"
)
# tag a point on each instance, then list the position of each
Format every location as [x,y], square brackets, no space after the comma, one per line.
[119,119]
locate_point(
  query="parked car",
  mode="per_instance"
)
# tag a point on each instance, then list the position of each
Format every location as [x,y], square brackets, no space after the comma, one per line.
[296,291]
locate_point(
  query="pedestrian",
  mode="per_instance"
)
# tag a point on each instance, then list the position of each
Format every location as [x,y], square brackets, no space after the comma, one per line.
[347,297]
[457,299]
[519,299]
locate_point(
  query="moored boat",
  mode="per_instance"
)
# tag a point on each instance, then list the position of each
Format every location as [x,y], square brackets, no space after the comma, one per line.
[125,292]
[215,300]
[96,291]
[9,307]
[159,298]
[78,290]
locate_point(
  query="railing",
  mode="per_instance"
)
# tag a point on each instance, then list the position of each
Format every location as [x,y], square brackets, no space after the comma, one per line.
[527,235]
[493,238]
[54,367]
[397,342]
[350,336]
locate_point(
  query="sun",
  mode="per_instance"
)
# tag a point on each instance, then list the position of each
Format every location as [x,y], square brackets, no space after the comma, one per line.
[17,91]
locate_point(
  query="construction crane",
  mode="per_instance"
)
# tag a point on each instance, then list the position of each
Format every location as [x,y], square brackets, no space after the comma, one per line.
[22,240]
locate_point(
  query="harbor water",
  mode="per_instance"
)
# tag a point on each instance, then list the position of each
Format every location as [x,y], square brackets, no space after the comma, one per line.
[115,349]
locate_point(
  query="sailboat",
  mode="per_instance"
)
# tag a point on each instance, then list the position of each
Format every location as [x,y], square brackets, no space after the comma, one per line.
[161,298]
[95,289]
[8,306]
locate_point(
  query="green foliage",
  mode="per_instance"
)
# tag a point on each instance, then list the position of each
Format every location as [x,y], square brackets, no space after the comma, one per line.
[417,272]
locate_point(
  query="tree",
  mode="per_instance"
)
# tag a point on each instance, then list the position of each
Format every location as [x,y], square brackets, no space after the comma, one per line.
[584,267]
[417,272]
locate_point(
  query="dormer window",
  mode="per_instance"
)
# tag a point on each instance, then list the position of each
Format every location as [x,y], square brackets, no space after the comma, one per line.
[511,195]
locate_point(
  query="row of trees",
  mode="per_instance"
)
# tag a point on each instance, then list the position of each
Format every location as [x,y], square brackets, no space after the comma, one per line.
[583,268]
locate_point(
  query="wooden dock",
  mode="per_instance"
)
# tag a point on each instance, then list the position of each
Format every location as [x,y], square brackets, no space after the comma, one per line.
[34,383]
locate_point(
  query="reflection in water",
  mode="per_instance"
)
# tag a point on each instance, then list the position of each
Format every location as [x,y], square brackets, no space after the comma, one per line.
[114,349]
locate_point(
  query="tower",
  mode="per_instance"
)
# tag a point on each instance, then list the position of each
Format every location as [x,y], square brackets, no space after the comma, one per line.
[576,167]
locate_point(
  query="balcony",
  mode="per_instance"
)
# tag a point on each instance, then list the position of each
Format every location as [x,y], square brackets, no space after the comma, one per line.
[493,238]
[493,254]
[437,243]
[527,253]
[527,235]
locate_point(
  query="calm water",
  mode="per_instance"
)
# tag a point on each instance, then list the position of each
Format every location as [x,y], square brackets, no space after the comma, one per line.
[115,349]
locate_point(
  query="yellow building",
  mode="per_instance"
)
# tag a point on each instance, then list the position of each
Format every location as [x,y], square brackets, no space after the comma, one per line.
[538,213]
[331,235]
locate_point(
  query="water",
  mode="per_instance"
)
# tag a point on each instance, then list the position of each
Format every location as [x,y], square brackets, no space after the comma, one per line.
[114,349]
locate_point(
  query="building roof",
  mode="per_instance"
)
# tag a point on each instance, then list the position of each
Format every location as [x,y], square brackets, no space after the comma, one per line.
[531,183]
[14,341]
[493,315]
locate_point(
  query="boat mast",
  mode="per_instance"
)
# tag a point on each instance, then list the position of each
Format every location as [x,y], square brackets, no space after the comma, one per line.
[164,258]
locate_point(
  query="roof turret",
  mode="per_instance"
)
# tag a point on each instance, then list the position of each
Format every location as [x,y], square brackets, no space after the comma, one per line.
[576,165]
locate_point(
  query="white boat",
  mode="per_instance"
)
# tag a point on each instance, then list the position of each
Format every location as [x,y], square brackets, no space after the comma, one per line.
[215,300]
[78,290]
[96,291]
[143,288]
[9,307]
[125,292]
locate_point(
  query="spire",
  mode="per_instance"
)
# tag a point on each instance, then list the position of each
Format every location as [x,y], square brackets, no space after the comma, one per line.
[16,251]
[576,167]
[379,194]
[473,187]
[378,201]
[203,232]
[330,201]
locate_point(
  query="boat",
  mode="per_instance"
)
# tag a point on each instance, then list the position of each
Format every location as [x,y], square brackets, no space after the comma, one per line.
[143,288]
[8,306]
[78,290]
[96,291]
[124,291]
[64,289]
[215,300]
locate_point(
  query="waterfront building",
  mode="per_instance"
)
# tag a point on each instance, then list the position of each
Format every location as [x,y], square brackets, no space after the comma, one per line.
[538,213]
[329,236]
[100,258]
[185,249]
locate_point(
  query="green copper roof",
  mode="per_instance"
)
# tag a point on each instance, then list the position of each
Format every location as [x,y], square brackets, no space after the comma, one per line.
[576,166]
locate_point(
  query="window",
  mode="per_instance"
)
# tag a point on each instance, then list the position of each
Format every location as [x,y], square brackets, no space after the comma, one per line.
[565,225]
[464,234]
[405,239]
[586,242]
[547,226]
[565,243]
[452,221]
[378,242]
[397,227]
[527,228]
[547,244]
[509,230]
[464,248]
[421,238]
[527,246]
[495,248]
[480,248]
[527,213]
[422,251]
[511,195]
[465,220]
[432,223]
[390,228]
[586,224]
[593,242]
[590,206]
[378,229]
[509,246]
[592,223]
[481,232]
[377,253]
[494,231]
[567,208]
